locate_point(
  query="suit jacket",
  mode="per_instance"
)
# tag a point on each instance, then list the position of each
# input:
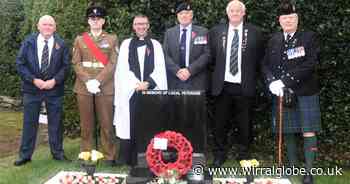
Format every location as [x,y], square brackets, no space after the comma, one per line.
[27,64]
[198,57]
[252,53]
[297,73]
[108,44]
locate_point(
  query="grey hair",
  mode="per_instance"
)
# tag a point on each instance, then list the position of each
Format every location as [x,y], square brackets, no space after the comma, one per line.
[234,1]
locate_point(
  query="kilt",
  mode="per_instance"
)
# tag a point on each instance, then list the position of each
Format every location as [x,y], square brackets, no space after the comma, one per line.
[305,117]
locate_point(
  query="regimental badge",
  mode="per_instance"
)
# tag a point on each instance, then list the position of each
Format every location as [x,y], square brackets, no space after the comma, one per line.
[245,40]
[57,46]
[294,42]
[224,40]
[95,11]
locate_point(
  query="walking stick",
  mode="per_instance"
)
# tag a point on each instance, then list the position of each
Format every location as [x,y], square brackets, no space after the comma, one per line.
[280,128]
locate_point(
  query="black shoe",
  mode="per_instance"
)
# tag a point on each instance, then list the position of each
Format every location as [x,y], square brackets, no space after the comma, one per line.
[62,158]
[308,179]
[22,161]
[109,163]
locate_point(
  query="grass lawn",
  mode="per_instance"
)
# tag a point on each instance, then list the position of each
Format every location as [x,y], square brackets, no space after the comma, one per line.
[43,167]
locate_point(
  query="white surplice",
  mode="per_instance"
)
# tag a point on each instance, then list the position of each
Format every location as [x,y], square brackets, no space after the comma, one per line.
[125,83]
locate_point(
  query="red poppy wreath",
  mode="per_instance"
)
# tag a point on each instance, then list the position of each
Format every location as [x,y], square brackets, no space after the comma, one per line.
[180,144]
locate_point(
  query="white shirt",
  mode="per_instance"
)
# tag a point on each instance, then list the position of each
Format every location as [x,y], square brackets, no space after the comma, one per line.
[188,40]
[228,76]
[41,43]
[141,51]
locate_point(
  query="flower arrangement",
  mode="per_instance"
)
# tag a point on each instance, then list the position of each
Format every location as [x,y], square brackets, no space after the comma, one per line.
[90,160]
[248,165]
[169,173]
[91,157]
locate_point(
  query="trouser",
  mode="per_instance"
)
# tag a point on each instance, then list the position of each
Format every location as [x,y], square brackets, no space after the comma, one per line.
[102,106]
[230,103]
[32,104]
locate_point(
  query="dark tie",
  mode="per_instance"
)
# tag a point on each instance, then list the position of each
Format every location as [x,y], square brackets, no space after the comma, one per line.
[234,54]
[45,61]
[288,38]
[183,49]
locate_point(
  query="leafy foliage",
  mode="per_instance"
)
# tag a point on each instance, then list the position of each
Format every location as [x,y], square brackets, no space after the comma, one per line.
[329,19]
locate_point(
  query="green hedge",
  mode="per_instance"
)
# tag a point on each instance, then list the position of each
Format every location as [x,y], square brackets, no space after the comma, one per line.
[330,19]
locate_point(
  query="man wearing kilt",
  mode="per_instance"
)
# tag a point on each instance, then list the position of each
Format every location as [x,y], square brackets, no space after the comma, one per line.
[290,70]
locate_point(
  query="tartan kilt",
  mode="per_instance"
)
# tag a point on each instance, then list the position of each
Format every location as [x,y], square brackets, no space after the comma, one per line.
[305,117]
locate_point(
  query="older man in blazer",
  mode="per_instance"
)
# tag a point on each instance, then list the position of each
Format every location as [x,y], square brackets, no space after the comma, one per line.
[186,52]
[42,63]
[236,50]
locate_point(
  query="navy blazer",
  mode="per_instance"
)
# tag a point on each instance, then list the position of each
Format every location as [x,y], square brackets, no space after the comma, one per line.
[27,64]
[252,55]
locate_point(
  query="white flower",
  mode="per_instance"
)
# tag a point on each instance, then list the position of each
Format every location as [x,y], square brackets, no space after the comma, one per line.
[95,155]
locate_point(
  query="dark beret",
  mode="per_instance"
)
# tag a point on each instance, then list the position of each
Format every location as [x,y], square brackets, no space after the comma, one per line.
[286,8]
[183,6]
[96,11]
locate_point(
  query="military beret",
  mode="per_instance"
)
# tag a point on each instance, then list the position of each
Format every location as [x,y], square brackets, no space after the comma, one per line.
[183,6]
[286,8]
[96,11]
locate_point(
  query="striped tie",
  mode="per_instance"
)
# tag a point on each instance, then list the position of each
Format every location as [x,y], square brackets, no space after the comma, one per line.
[45,61]
[234,54]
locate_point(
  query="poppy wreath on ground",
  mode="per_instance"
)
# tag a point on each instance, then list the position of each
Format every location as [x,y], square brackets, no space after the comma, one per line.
[184,151]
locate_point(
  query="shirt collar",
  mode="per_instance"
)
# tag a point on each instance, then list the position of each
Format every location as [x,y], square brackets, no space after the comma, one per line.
[42,39]
[189,27]
[239,27]
[285,35]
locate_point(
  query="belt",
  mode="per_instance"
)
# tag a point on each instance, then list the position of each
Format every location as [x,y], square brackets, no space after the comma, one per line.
[89,64]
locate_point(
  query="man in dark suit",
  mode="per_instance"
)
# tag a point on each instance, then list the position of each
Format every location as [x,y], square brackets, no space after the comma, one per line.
[186,52]
[42,63]
[290,70]
[235,49]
